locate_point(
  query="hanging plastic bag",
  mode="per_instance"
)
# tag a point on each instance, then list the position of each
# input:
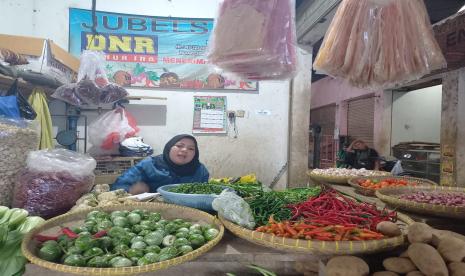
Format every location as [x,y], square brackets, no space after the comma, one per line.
[234,208]
[92,67]
[397,169]
[25,109]
[110,129]
[53,181]
[376,44]
[255,39]
[9,107]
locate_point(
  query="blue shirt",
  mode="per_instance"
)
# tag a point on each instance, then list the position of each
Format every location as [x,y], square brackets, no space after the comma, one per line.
[154,177]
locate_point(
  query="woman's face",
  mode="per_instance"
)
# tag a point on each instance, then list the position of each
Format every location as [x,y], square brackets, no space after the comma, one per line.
[360,145]
[183,151]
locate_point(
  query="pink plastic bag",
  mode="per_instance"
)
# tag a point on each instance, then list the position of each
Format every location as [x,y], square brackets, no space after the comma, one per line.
[255,39]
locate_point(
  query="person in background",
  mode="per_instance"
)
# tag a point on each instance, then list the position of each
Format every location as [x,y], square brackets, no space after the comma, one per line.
[359,155]
[179,163]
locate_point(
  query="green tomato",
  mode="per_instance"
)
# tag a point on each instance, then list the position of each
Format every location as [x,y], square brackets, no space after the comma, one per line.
[121,262]
[152,249]
[104,225]
[134,260]
[94,251]
[138,211]
[143,261]
[182,235]
[171,250]
[120,248]
[154,238]
[98,261]
[182,229]
[196,240]
[137,228]
[134,218]
[125,213]
[105,242]
[120,221]
[171,228]
[139,245]
[134,252]
[74,250]
[90,223]
[83,229]
[64,241]
[92,214]
[162,222]
[48,243]
[131,235]
[84,243]
[75,260]
[195,226]
[151,257]
[205,227]
[137,238]
[195,231]
[185,249]
[147,223]
[76,230]
[154,217]
[186,225]
[117,214]
[178,221]
[50,252]
[210,234]
[116,231]
[127,229]
[144,232]
[180,242]
[168,240]
[164,257]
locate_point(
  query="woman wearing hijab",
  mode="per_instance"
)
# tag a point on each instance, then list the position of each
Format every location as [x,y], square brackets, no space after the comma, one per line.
[179,163]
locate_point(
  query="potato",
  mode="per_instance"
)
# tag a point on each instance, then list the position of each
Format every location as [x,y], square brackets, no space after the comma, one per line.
[404,254]
[385,273]
[452,249]
[457,269]
[399,265]
[427,259]
[389,228]
[415,273]
[420,232]
[440,234]
[347,266]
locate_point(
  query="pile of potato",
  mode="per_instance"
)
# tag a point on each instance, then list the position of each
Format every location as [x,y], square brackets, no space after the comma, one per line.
[101,196]
[431,252]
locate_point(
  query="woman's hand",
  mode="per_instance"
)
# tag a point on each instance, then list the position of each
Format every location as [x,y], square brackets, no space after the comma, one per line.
[139,188]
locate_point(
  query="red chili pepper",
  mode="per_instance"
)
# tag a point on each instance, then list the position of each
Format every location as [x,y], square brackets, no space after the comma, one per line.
[44,238]
[68,232]
[100,234]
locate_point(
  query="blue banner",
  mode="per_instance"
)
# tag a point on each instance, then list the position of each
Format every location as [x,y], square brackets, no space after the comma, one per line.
[151,51]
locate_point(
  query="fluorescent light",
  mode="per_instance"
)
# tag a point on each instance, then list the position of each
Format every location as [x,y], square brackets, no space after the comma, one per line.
[462,9]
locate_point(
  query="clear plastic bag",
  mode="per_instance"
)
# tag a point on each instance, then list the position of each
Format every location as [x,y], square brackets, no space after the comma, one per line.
[110,129]
[92,67]
[397,170]
[53,181]
[255,39]
[376,44]
[17,138]
[234,208]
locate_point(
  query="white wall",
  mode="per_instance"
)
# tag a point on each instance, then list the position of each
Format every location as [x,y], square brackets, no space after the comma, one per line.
[261,145]
[416,115]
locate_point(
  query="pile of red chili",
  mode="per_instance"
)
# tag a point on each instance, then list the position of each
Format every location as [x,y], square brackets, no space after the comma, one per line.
[331,208]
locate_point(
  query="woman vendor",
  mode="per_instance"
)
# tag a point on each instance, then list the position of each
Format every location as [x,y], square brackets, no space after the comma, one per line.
[359,155]
[179,163]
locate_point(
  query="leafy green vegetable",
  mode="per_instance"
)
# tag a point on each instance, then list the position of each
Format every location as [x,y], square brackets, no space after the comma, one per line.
[197,188]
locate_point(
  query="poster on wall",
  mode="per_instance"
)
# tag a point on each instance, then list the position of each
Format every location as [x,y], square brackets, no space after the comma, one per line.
[209,114]
[151,51]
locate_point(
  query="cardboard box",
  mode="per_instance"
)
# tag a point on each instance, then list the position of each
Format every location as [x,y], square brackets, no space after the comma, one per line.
[44,56]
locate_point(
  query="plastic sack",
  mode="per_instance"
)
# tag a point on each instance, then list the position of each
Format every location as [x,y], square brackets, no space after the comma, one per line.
[376,44]
[53,181]
[397,170]
[17,138]
[234,208]
[110,129]
[9,107]
[92,67]
[255,39]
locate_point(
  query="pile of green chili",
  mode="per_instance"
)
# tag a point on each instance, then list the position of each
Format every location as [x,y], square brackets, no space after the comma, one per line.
[274,203]
[197,188]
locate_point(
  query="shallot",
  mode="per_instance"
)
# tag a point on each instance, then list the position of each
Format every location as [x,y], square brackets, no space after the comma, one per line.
[449,199]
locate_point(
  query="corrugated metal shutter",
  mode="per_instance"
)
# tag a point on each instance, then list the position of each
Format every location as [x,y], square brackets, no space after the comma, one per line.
[360,119]
[325,117]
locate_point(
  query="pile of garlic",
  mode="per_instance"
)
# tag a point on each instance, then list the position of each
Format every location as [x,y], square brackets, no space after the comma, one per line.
[342,172]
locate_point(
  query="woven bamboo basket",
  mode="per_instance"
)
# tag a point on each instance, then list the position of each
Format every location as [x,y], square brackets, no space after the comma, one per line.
[319,247]
[390,196]
[169,211]
[371,192]
[322,179]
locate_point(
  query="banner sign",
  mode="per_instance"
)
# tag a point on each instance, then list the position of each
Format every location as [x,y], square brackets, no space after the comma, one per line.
[209,114]
[151,51]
